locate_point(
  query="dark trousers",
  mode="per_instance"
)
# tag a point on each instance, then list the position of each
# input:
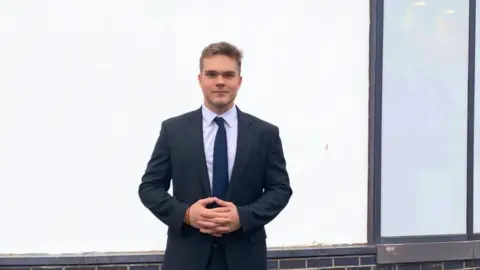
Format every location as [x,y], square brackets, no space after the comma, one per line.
[217,260]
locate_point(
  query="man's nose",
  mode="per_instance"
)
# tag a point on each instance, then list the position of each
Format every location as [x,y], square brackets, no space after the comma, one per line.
[220,81]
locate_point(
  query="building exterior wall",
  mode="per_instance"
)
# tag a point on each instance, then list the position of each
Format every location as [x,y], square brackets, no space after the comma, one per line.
[99,88]
[413,208]
[342,258]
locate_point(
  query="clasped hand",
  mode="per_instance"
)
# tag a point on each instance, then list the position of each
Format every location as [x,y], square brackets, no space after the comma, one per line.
[217,221]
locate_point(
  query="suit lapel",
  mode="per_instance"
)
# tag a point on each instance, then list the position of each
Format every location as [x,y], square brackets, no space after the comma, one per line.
[244,140]
[197,149]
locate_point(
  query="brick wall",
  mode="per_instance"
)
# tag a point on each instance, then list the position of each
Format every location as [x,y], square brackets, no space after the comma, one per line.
[363,257]
[367,262]
[336,262]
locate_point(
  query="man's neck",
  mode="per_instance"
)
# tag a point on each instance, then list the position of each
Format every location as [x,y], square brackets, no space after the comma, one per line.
[217,110]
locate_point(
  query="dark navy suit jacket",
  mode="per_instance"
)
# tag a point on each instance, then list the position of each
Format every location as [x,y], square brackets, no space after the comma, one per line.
[259,187]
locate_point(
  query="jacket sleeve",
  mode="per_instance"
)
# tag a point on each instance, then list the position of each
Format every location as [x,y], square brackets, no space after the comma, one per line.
[153,190]
[277,190]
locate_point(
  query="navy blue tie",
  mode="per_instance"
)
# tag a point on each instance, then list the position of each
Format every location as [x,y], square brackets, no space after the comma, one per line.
[220,162]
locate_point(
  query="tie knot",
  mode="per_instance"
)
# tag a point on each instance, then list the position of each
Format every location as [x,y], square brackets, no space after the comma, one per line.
[218,120]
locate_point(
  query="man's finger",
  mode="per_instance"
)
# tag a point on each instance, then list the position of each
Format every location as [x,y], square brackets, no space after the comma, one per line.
[222,202]
[213,214]
[221,209]
[222,229]
[206,201]
[208,231]
[206,224]
[221,221]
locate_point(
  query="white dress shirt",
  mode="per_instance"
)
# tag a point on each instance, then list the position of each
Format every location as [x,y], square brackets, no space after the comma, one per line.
[209,132]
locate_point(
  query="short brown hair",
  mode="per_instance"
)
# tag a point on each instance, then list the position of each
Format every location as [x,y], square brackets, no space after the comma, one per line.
[222,48]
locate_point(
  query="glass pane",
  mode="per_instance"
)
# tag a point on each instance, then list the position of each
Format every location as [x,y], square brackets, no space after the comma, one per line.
[476,179]
[424,117]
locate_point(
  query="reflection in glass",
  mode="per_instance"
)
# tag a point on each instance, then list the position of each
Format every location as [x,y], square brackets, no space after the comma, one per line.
[424,117]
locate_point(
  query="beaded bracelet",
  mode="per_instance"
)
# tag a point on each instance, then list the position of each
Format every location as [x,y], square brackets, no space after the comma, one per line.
[187,216]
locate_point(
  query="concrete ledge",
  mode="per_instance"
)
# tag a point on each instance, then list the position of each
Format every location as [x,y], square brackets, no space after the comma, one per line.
[79,259]
[426,252]
[321,252]
[157,257]
[390,254]
[476,249]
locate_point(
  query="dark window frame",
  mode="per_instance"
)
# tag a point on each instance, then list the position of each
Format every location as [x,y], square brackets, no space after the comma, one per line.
[415,248]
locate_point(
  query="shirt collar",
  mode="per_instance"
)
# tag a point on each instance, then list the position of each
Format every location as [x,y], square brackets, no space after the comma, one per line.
[229,116]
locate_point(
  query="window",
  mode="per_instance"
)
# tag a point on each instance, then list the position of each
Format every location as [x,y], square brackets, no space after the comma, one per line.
[424,118]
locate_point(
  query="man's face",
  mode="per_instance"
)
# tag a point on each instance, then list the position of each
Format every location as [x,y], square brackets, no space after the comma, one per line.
[220,81]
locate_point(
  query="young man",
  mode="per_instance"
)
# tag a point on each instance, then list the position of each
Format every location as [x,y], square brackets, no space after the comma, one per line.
[228,173]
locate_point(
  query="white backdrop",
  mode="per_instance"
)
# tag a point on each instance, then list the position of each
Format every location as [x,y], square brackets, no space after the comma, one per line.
[85,85]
